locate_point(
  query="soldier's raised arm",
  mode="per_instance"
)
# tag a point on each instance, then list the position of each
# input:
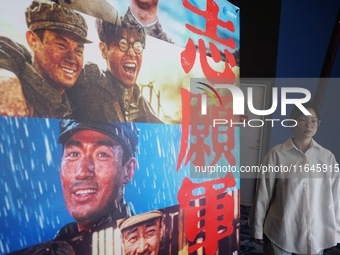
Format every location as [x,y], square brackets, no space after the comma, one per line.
[99,9]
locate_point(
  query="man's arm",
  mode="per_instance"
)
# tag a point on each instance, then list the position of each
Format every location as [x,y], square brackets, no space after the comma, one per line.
[101,9]
[336,194]
[12,100]
[264,191]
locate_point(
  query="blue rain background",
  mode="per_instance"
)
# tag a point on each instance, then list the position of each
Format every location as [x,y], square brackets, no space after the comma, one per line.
[32,207]
[31,203]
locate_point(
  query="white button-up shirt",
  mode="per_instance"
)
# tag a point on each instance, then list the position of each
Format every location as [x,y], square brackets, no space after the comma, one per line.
[299,214]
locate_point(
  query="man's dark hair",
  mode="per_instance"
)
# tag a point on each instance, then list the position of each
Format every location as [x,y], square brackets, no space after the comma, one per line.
[297,113]
[109,33]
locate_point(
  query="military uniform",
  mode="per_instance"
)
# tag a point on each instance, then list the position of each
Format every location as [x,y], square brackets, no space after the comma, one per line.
[100,96]
[42,99]
[127,135]
[81,241]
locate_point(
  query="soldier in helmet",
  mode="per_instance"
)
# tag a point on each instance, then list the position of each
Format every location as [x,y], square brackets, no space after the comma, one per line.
[98,161]
[34,86]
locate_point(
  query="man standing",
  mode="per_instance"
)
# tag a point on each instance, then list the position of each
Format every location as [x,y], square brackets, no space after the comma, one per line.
[142,234]
[35,87]
[98,161]
[114,95]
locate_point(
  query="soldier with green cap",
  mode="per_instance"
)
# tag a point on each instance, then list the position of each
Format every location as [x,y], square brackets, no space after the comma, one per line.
[98,161]
[34,86]
[142,233]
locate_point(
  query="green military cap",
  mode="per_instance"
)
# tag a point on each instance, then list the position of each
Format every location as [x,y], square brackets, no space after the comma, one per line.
[139,219]
[50,15]
[125,133]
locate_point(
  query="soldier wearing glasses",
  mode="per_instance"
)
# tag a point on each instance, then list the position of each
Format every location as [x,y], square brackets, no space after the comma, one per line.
[114,95]
[298,212]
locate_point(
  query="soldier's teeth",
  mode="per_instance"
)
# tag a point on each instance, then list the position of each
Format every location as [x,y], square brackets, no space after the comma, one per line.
[85,192]
[68,71]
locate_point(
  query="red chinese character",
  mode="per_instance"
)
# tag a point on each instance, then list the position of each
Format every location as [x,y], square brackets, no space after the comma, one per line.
[209,214]
[199,138]
[223,147]
[193,127]
[212,22]
[188,56]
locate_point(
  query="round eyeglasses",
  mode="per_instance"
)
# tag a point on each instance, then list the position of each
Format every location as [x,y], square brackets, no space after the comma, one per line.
[124,46]
[314,122]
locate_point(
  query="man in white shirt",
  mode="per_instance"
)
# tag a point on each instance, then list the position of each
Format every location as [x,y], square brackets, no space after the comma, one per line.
[298,212]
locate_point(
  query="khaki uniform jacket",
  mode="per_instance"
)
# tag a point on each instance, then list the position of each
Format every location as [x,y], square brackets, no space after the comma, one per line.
[98,96]
[41,98]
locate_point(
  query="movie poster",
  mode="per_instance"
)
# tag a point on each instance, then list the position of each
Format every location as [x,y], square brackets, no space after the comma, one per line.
[180,197]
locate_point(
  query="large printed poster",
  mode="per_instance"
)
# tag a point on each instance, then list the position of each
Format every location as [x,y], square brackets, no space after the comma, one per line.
[102,152]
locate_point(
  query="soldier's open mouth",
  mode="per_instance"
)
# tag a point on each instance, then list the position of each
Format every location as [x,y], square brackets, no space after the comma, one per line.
[130,68]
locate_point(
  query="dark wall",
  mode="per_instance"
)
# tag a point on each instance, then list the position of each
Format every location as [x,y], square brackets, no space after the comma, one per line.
[289,38]
[260,21]
[305,32]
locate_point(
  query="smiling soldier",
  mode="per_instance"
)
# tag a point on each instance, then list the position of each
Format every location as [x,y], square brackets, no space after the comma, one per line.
[35,86]
[142,234]
[98,161]
[114,95]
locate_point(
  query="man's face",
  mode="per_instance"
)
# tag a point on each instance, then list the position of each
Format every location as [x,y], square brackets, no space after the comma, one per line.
[92,176]
[307,126]
[58,57]
[143,238]
[125,66]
